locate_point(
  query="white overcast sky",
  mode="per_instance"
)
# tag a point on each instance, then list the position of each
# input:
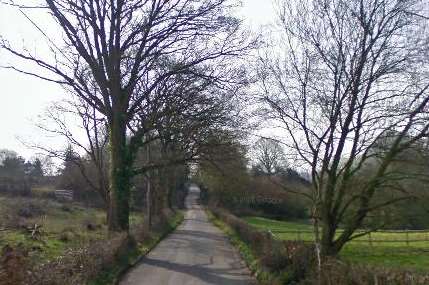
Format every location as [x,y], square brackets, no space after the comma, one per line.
[23,98]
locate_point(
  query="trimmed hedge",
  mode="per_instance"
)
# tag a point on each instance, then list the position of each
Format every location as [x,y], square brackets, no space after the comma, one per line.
[286,261]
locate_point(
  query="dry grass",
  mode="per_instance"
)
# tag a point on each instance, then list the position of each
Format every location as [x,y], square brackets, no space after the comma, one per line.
[70,245]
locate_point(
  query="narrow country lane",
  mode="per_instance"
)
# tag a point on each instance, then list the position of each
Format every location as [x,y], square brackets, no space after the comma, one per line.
[196,253]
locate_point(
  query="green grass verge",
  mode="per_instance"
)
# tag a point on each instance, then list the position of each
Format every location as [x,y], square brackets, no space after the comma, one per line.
[386,252]
[263,276]
[112,275]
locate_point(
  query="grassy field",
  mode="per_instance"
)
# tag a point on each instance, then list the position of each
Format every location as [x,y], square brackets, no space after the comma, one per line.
[381,249]
[63,226]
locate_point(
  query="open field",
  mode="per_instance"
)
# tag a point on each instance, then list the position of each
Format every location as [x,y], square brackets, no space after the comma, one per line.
[63,226]
[408,250]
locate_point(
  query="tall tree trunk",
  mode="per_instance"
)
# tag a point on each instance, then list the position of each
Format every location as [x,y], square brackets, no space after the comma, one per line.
[148,216]
[120,176]
[172,190]
[159,196]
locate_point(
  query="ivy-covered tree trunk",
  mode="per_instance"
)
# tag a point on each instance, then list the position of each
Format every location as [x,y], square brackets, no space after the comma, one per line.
[328,246]
[120,176]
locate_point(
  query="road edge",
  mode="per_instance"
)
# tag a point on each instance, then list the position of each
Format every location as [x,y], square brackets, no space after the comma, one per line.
[116,272]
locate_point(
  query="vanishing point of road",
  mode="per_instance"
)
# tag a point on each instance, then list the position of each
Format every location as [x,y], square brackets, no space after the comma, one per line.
[197,253]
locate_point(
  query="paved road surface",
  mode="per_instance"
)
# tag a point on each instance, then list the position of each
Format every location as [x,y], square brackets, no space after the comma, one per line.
[196,253]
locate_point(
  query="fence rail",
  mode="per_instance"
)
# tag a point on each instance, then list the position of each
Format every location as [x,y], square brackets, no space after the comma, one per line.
[66,195]
[362,231]
[404,236]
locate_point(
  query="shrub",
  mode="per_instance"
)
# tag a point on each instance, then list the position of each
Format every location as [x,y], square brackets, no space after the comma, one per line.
[12,265]
[15,186]
[31,210]
[67,235]
[336,272]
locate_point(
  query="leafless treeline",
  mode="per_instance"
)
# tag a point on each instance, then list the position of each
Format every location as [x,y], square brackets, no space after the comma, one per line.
[147,70]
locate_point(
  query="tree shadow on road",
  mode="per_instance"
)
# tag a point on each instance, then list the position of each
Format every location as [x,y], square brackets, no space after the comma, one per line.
[207,275]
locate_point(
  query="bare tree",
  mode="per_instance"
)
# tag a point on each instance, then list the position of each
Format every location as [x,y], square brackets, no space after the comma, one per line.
[270,156]
[6,153]
[110,58]
[350,79]
[181,127]
[91,157]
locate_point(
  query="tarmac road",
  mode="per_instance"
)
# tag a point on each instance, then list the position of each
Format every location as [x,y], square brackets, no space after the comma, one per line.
[196,253]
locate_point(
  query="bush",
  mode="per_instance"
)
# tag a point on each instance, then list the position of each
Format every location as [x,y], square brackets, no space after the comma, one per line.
[15,186]
[337,272]
[31,210]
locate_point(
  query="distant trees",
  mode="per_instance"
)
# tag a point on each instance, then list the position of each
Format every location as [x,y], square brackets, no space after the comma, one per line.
[35,169]
[14,166]
[228,182]
[116,53]
[85,159]
[223,170]
[269,156]
[79,174]
[409,172]
[18,175]
[6,154]
[350,78]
